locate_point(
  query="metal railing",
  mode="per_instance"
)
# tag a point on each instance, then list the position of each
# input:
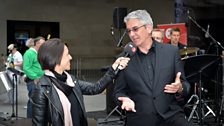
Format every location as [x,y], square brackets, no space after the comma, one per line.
[90,68]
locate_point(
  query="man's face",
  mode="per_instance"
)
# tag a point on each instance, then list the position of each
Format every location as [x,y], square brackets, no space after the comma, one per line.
[10,51]
[137,31]
[175,37]
[158,36]
[39,43]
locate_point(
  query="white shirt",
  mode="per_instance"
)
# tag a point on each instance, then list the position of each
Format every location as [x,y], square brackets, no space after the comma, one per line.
[17,57]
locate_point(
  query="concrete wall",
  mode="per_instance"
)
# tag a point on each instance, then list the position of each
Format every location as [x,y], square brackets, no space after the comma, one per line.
[84,24]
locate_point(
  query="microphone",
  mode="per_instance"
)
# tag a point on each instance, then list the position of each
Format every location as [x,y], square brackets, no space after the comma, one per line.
[129,50]
[188,12]
[121,39]
[207,31]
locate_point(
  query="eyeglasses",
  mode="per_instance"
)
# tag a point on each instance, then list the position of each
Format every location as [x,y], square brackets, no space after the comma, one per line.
[134,29]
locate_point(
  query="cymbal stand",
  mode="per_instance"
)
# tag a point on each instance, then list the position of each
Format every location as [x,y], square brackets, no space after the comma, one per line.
[221,109]
[200,102]
[220,91]
[200,112]
[122,117]
[220,118]
[115,109]
[209,110]
[194,105]
[201,109]
[200,94]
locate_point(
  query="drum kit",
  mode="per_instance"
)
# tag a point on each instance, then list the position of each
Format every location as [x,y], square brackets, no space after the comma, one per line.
[199,69]
[186,52]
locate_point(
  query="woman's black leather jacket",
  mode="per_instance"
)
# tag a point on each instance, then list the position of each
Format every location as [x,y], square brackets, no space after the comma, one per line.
[47,108]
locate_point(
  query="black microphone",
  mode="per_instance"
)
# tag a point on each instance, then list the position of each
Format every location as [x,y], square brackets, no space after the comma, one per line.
[129,50]
[207,31]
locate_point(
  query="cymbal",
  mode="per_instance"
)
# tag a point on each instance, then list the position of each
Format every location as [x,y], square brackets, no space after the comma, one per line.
[188,50]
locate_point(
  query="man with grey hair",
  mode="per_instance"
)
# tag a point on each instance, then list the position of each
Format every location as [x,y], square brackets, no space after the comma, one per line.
[30,42]
[150,86]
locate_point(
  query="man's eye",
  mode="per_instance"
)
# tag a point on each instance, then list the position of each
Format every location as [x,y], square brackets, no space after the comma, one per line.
[135,29]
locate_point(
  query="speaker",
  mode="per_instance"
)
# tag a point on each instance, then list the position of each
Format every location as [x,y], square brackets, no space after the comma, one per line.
[118,17]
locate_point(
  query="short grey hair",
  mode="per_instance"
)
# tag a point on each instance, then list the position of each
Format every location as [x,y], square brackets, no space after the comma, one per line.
[30,42]
[141,15]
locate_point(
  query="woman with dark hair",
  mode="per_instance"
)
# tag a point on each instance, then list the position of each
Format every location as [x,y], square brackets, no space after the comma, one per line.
[57,99]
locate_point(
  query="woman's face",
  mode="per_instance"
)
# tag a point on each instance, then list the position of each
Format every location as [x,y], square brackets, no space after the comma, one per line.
[65,61]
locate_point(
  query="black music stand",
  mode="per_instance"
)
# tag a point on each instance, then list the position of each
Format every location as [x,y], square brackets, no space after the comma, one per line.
[200,66]
[15,87]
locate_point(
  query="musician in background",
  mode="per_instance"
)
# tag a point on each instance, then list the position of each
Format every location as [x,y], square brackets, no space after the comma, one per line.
[175,35]
[15,58]
[15,61]
[158,35]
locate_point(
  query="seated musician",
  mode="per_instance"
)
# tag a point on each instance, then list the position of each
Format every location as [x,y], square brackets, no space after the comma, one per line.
[175,35]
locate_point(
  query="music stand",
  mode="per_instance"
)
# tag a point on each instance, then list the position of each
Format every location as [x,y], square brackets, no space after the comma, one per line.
[15,87]
[198,66]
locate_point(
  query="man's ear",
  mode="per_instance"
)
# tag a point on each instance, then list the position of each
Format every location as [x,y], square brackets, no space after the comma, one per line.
[149,28]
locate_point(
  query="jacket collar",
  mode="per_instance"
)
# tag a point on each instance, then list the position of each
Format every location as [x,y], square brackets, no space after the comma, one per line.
[69,80]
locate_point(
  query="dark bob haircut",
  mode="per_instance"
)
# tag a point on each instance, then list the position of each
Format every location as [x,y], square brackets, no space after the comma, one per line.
[50,53]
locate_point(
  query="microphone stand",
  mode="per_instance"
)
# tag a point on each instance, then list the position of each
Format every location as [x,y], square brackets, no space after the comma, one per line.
[121,39]
[112,33]
[208,34]
[15,97]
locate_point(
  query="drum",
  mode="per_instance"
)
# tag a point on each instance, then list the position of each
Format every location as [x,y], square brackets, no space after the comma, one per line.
[5,82]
